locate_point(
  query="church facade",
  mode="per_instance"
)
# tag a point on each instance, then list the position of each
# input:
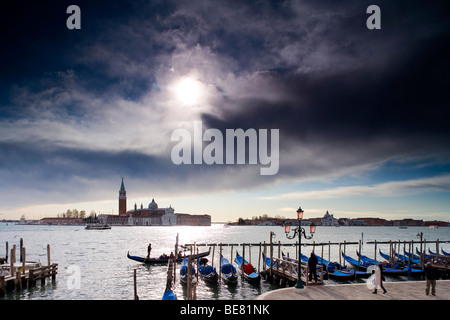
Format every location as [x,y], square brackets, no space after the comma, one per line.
[329,220]
[152,215]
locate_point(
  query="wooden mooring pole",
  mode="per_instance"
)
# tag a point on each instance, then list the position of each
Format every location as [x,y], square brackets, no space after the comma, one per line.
[21,246]
[48,254]
[136,297]
[7,252]
[220,262]
[259,259]
[191,281]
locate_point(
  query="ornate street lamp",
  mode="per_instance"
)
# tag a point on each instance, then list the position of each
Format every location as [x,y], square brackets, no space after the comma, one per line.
[299,231]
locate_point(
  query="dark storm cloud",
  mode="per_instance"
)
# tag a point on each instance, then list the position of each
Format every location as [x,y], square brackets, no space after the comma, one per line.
[376,96]
[337,91]
[408,97]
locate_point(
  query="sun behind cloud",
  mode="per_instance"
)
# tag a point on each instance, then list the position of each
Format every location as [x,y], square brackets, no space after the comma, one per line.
[188,91]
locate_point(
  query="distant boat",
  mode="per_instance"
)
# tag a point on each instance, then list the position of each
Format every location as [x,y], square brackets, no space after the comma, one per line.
[97,226]
[434,226]
[403,227]
[249,271]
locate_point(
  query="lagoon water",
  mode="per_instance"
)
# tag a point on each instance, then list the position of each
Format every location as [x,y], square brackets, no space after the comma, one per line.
[99,257]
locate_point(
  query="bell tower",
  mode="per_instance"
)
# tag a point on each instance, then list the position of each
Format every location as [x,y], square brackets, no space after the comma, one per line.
[122,200]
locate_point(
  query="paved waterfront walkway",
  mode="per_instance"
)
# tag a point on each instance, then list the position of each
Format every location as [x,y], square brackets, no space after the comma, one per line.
[408,290]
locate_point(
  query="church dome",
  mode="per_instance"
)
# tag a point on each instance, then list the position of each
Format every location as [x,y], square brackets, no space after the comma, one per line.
[153,205]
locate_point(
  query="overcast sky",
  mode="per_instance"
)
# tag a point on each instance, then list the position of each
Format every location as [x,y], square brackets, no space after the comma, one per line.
[363,115]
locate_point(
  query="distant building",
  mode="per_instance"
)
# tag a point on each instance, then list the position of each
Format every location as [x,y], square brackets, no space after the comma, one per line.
[329,220]
[24,221]
[371,222]
[360,223]
[436,223]
[122,200]
[344,222]
[152,215]
[62,221]
[407,222]
[185,219]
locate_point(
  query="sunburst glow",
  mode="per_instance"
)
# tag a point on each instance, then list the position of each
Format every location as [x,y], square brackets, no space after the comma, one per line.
[188,91]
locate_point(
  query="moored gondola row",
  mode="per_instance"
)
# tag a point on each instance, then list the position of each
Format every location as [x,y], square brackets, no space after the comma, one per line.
[196,269]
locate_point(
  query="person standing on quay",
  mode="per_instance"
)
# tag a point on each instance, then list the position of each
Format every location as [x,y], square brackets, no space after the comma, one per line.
[379,280]
[430,275]
[312,264]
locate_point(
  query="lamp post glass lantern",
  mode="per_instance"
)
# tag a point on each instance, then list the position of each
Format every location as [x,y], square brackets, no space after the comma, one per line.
[299,213]
[287,227]
[299,231]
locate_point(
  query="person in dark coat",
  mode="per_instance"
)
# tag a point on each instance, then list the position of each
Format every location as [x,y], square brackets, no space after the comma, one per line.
[312,264]
[149,250]
[431,276]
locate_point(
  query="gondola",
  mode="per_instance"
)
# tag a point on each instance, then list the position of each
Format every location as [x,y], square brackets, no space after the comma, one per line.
[184,271]
[443,252]
[409,254]
[427,257]
[305,259]
[349,274]
[337,272]
[387,270]
[164,261]
[361,264]
[367,259]
[406,258]
[391,271]
[228,271]
[275,265]
[206,272]
[397,269]
[169,294]
[267,260]
[248,273]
